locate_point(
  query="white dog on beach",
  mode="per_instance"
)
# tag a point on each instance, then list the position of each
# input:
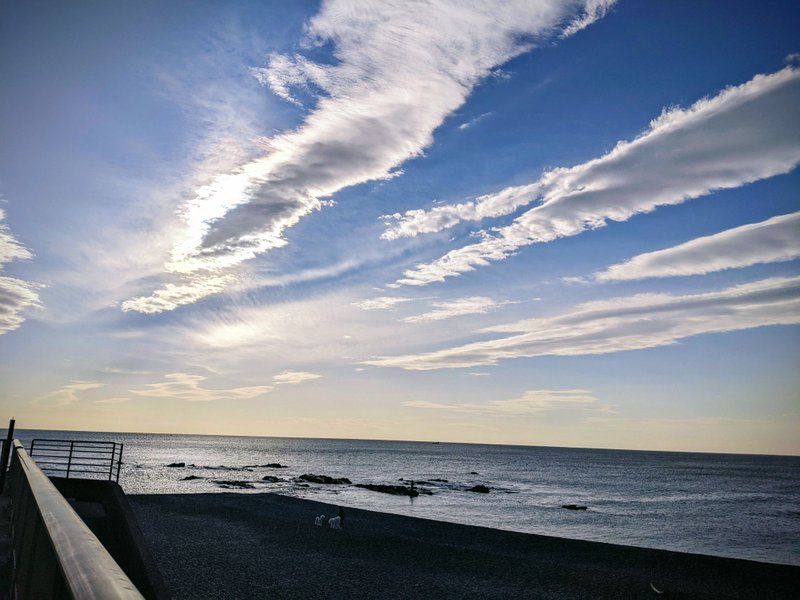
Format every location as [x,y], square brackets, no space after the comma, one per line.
[319,521]
[335,523]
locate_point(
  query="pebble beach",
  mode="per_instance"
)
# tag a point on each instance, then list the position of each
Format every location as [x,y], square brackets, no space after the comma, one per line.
[229,545]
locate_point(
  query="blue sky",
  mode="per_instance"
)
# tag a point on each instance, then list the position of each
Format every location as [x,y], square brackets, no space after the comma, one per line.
[561,222]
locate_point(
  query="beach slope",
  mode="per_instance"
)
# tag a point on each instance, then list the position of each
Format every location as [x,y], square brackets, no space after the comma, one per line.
[266,546]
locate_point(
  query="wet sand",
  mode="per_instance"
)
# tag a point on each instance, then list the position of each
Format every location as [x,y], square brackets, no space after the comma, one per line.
[266,546]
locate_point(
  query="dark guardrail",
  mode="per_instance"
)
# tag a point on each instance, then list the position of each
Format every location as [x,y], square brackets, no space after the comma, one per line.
[74,458]
[55,554]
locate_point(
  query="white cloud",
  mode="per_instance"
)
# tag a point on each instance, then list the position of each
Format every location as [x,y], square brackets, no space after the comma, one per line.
[457,308]
[293,377]
[774,240]
[594,10]
[417,221]
[474,120]
[116,400]
[381,303]
[532,402]
[171,296]
[182,386]
[398,74]
[15,294]
[744,134]
[10,248]
[68,394]
[626,323]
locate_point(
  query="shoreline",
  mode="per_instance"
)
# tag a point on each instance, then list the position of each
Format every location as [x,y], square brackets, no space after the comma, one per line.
[257,545]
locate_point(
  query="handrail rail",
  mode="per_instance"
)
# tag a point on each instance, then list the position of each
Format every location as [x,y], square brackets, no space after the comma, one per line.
[88,570]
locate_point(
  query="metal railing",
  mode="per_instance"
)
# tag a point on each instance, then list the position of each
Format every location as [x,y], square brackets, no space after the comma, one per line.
[55,554]
[86,460]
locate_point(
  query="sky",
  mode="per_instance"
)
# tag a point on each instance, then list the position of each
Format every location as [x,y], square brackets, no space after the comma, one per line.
[540,222]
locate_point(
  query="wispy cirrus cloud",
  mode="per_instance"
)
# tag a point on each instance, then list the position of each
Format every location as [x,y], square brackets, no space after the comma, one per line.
[532,402]
[743,134]
[115,400]
[294,377]
[171,296]
[472,305]
[68,394]
[774,240]
[626,323]
[381,303]
[398,73]
[186,387]
[15,294]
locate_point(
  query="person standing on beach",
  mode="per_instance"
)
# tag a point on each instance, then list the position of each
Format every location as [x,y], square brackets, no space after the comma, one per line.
[341,516]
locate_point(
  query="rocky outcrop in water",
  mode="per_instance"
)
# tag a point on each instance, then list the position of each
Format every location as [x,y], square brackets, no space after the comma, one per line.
[397,490]
[176,465]
[573,507]
[481,489]
[271,478]
[235,484]
[324,479]
[220,468]
[192,478]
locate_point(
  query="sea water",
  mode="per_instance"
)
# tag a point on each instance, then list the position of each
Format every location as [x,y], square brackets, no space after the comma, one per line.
[742,506]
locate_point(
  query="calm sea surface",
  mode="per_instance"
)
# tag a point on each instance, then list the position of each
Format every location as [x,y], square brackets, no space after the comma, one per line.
[728,505]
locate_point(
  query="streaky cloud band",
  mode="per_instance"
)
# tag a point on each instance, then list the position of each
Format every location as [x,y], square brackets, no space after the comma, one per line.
[396,76]
[744,134]
[626,323]
[774,240]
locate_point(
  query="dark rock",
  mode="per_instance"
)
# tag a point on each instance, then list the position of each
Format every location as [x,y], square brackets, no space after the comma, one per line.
[573,507]
[397,490]
[176,465]
[481,489]
[474,473]
[222,468]
[276,466]
[192,478]
[231,483]
[440,480]
[271,478]
[324,479]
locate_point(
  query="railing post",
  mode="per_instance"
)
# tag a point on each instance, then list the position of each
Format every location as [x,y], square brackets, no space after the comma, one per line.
[69,458]
[111,462]
[119,463]
[6,454]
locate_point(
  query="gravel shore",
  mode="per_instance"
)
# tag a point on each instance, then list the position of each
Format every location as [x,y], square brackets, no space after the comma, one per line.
[266,546]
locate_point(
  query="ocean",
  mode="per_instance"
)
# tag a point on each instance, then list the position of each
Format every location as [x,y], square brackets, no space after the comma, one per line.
[741,506]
